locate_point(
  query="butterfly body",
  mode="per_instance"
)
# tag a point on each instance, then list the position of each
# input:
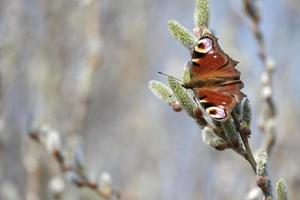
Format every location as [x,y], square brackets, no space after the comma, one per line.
[214,79]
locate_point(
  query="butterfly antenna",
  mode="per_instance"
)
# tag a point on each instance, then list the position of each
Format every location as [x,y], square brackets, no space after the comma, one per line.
[171,77]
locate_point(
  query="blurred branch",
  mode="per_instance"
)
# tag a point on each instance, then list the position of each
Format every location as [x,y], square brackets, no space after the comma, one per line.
[91,64]
[50,139]
[268,115]
[33,175]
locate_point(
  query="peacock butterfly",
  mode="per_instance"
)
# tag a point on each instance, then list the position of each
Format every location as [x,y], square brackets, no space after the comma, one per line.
[213,78]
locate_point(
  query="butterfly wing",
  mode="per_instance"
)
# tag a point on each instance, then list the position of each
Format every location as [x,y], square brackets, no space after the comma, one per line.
[219,101]
[214,79]
[213,63]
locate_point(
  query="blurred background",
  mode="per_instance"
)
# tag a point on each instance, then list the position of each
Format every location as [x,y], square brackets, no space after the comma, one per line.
[83,66]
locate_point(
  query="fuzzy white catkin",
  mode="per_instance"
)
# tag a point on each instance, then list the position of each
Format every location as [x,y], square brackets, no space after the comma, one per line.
[105,179]
[266,91]
[264,78]
[254,194]
[56,186]
[53,141]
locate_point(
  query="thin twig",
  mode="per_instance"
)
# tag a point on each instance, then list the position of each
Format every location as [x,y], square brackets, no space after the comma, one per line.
[249,155]
[81,180]
[269,109]
[91,64]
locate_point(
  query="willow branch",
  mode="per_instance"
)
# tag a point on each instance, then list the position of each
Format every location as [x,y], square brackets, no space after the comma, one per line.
[91,64]
[268,115]
[244,133]
[50,139]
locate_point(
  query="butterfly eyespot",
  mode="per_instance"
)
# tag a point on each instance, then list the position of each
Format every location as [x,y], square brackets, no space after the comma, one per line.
[204,45]
[216,112]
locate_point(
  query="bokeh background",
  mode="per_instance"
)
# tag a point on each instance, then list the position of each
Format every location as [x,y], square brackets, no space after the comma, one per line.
[83,66]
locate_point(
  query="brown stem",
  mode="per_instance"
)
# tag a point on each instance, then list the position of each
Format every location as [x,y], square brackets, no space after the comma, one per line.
[248,154]
[249,157]
[83,180]
[268,110]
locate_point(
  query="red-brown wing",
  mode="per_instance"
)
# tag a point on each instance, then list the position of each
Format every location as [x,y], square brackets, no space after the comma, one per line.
[219,101]
[217,105]
[213,64]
